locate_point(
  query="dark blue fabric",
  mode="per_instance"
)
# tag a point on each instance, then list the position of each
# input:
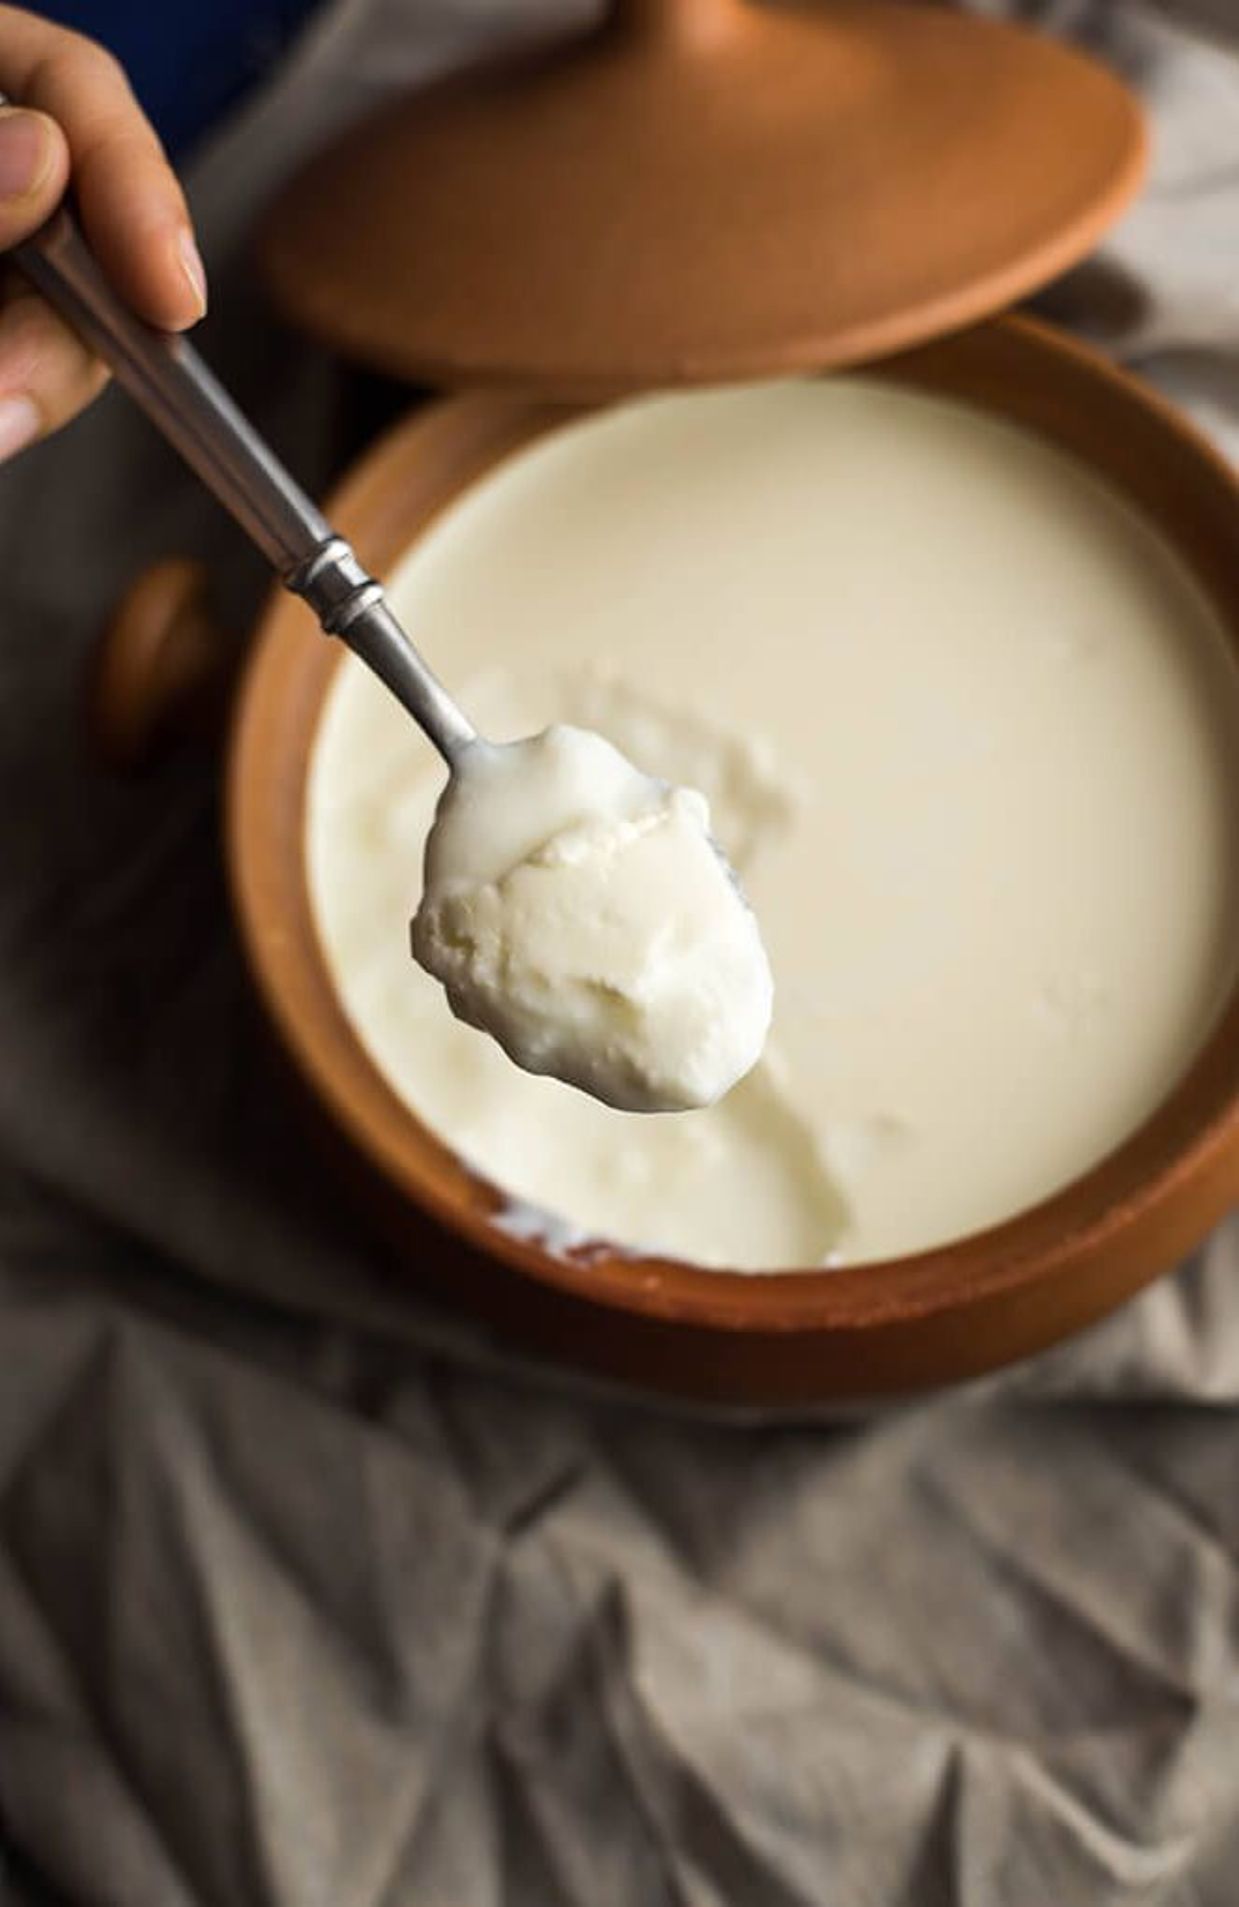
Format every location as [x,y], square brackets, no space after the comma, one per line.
[188,60]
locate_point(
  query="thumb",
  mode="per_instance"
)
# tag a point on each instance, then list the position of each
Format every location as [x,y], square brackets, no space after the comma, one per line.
[34,171]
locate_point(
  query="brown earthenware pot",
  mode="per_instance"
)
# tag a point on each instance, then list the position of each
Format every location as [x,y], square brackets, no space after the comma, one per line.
[781,1339]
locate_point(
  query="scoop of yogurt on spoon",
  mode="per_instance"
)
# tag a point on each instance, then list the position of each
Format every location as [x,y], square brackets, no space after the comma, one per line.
[581,913]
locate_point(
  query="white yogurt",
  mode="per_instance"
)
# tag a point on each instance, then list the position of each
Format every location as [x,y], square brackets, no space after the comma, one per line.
[968,731]
[579,911]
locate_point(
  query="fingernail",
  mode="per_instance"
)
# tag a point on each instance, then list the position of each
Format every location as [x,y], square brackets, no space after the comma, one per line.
[194,269]
[20,424]
[25,152]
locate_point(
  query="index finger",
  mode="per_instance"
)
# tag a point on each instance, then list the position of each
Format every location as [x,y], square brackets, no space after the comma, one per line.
[130,201]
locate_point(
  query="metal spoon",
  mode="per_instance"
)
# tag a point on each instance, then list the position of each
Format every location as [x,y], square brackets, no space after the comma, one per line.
[166,377]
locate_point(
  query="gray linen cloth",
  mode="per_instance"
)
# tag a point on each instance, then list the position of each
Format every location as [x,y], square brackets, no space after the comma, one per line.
[311,1597]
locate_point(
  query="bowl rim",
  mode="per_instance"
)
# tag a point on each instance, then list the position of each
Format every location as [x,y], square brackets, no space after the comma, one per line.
[1184,1155]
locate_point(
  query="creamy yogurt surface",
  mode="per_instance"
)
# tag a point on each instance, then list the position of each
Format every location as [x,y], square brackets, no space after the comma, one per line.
[968,731]
[579,912]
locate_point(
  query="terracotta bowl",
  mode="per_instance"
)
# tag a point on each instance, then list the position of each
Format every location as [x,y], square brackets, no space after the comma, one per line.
[786,1338]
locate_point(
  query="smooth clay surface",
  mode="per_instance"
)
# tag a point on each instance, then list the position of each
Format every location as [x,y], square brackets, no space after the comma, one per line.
[970,733]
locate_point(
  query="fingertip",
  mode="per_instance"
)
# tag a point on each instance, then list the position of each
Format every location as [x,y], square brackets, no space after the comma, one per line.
[162,274]
[149,265]
[47,374]
[191,290]
[21,422]
[139,228]
[34,166]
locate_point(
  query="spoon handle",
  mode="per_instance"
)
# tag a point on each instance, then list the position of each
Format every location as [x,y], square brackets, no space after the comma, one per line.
[164,374]
[184,400]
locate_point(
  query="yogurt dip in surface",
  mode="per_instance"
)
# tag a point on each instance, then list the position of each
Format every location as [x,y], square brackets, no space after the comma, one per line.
[969,734]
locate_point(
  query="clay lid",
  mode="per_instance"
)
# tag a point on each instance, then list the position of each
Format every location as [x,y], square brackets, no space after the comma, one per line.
[706,190]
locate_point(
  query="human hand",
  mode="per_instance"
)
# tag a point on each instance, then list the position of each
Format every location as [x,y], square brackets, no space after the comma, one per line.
[78,116]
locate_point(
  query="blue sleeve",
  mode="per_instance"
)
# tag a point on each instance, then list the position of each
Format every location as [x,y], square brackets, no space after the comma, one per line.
[188,62]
